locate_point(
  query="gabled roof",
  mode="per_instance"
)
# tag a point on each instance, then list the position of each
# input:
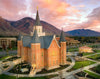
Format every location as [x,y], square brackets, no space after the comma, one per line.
[45,41]
[26,41]
[62,37]
[37,22]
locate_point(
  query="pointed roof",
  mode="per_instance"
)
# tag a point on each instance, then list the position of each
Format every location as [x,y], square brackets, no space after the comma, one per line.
[37,22]
[35,38]
[62,37]
[19,36]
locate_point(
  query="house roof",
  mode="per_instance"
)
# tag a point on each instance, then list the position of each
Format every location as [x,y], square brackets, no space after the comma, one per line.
[45,41]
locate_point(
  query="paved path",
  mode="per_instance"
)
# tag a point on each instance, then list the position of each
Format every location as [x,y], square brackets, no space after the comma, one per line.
[78,70]
[38,75]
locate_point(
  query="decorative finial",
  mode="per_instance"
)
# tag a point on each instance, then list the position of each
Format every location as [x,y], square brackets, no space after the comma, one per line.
[37,7]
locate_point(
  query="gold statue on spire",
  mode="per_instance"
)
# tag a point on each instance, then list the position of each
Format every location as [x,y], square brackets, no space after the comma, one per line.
[37,7]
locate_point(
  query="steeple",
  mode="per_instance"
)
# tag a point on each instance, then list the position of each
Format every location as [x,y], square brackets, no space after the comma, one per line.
[62,37]
[37,22]
[35,38]
[19,36]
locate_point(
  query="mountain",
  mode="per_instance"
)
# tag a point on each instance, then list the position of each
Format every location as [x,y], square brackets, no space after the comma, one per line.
[25,25]
[83,32]
[6,29]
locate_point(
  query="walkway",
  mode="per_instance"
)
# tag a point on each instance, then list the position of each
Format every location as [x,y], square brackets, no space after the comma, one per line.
[38,75]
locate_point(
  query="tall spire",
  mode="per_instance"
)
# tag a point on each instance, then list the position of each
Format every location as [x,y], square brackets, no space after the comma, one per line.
[62,37]
[35,38]
[37,22]
[19,36]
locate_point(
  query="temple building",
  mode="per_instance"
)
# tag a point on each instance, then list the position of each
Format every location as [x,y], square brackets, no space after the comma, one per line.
[43,51]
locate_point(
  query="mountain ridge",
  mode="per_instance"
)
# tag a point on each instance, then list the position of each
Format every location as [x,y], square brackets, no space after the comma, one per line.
[25,26]
[83,32]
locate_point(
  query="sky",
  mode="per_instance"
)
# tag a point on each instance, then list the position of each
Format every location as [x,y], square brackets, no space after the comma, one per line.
[69,14]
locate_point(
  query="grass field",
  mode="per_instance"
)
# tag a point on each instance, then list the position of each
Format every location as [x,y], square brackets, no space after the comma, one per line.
[92,74]
[72,49]
[95,57]
[84,54]
[3,76]
[80,64]
[2,58]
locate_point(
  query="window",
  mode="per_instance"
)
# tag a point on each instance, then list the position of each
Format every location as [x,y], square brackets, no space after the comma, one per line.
[42,54]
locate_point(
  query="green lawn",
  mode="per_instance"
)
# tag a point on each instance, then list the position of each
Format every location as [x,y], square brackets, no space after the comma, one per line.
[84,54]
[3,76]
[2,58]
[92,74]
[97,51]
[73,49]
[80,64]
[95,57]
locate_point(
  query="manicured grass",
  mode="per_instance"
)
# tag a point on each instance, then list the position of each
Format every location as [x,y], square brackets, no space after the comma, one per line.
[84,54]
[80,64]
[3,76]
[96,69]
[95,57]
[2,58]
[97,51]
[73,49]
[92,74]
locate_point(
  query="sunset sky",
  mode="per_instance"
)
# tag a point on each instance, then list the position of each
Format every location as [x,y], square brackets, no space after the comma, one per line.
[70,14]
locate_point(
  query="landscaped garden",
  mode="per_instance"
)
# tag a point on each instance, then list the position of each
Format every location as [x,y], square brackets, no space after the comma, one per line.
[53,70]
[11,58]
[80,64]
[4,57]
[84,54]
[95,76]
[73,49]
[3,76]
[19,67]
[95,57]
[96,69]
[84,75]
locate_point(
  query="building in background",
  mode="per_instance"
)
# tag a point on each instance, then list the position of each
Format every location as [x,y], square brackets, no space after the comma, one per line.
[6,41]
[85,49]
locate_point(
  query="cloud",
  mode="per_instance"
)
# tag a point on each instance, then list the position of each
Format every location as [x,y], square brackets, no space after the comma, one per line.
[54,11]
[93,20]
[9,8]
